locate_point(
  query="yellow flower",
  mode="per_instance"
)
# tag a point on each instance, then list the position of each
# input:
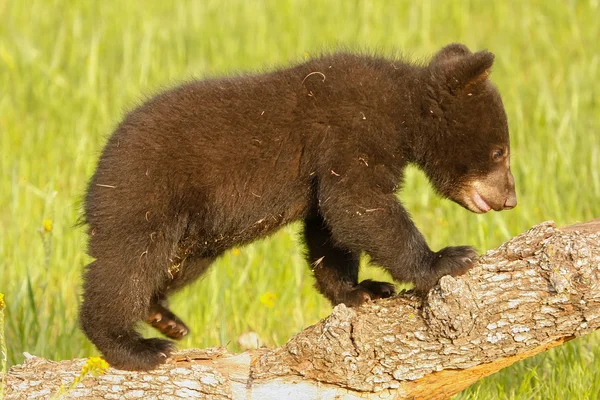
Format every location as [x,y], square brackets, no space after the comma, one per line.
[47,225]
[2,304]
[306,55]
[235,251]
[268,299]
[95,365]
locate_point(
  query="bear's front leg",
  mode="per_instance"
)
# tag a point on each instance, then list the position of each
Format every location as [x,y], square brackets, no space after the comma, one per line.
[451,260]
[336,269]
[363,217]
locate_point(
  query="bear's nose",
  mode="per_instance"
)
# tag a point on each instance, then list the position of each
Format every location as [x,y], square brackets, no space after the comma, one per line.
[511,200]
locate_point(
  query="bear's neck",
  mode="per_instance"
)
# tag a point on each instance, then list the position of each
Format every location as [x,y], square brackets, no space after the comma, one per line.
[417,126]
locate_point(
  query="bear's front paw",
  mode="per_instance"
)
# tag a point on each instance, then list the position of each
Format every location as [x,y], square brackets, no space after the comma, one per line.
[378,290]
[454,260]
[451,260]
[368,290]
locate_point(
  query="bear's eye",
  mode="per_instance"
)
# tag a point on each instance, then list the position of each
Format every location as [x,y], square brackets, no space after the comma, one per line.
[498,155]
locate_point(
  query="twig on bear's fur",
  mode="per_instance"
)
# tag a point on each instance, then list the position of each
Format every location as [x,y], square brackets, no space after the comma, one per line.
[313,73]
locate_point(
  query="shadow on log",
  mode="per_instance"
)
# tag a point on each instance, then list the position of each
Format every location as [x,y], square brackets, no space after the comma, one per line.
[532,293]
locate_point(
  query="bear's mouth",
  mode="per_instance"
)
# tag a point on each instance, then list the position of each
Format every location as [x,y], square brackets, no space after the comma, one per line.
[473,201]
[480,203]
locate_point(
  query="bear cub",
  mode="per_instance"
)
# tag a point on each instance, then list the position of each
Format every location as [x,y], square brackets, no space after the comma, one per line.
[221,162]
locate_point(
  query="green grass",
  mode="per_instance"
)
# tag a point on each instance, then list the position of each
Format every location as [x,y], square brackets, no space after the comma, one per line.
[69,70]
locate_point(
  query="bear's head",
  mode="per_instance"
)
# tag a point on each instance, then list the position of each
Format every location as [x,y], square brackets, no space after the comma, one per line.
[466,151]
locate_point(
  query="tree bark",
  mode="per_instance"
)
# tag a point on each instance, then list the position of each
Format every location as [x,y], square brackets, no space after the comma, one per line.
[534,292]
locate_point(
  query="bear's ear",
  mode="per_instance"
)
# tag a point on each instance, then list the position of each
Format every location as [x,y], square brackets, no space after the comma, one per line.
[458,68]
[450,51]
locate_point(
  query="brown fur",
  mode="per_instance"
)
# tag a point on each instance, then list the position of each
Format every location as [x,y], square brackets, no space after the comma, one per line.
[219,163]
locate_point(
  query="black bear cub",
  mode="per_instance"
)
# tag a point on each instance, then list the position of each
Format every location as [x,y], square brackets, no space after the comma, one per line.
[221,162]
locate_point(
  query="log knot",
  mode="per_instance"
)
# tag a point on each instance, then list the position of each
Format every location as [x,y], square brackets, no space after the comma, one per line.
[569,263]
[450,309]
[571,266]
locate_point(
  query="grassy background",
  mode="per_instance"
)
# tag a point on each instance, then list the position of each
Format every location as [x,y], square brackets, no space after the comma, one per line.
[69,70]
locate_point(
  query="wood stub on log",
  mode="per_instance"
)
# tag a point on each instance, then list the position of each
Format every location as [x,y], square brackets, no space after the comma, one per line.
[532,293]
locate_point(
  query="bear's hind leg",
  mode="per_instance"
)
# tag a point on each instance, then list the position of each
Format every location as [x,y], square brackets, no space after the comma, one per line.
[336,269]
[167,323]
[159,316]
[115,299]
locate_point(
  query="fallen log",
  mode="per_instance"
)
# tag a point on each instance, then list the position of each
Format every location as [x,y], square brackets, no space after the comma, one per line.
[530,294]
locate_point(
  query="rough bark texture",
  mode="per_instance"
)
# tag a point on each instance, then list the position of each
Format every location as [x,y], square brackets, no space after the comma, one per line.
[530,294]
